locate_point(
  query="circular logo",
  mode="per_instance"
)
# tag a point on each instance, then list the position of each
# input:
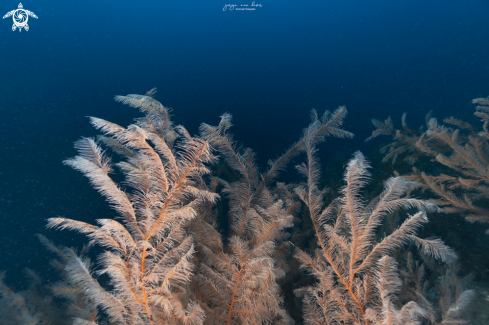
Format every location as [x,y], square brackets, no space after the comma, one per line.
[20,17]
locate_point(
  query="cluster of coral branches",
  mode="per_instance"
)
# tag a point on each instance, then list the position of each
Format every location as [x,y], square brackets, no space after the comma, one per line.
[167,261]
[461,151]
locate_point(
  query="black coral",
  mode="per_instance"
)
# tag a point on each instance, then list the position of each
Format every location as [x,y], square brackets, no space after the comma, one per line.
[238,285]
[356,277]
[460,149]
[149,255]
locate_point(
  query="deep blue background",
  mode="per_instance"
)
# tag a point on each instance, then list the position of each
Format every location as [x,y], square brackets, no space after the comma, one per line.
[267,67]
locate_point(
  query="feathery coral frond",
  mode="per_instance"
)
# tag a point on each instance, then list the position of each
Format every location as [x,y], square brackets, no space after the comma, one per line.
[348,255]
[460,147]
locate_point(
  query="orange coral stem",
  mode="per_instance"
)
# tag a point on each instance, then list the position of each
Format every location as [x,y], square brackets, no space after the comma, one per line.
[234,294]
[144,288]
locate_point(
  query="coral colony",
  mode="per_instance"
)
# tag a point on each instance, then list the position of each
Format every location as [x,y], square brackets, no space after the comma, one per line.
[202,236]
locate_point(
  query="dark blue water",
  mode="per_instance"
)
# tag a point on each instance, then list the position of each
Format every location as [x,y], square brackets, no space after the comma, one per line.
[266,67]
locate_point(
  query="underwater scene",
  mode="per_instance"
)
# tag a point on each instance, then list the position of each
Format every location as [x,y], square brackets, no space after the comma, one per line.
[261,162]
